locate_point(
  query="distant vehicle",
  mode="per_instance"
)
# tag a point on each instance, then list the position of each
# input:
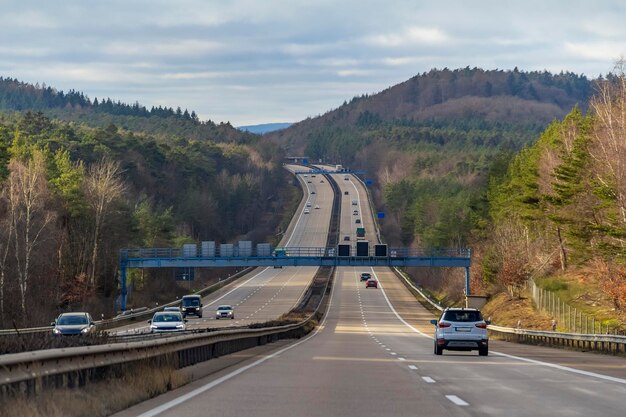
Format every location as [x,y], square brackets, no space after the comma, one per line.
[321,181]
[355,213]
[365,276]
[305,175]
[308,204]
[357,221]
[73,324]
[167,321]
[313,192]
[317,207]
[306,211]
[224,312]
[371,283]
[192,304]
[309,182]
[360,232]
[346,193]
[177,309]
[338,168]
[312,175]
[354,202]
[461,329]
[346,178]
[346,238]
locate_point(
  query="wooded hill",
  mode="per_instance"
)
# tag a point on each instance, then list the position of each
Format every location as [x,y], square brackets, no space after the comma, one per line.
[75,106]
[431,143]
[73,195]
[503,97]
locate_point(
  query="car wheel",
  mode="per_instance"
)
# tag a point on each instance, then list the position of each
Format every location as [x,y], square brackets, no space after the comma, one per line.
[217,318]
[232,318]
[483,351]
[438,349]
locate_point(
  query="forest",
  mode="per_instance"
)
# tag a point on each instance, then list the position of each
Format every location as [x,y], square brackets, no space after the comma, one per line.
[73,195]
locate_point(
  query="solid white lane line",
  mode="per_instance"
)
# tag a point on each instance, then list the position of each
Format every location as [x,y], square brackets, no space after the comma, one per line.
[563,368]
[164,407]
[428,379]
[413,367]
[457,400]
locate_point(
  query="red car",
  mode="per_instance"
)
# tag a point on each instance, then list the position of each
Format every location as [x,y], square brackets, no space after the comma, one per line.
[371,283]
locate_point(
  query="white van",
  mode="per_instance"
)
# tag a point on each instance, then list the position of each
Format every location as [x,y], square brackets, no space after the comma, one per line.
[354,202]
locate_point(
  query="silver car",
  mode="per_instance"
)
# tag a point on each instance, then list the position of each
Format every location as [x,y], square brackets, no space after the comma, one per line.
[167,321]
[225,312]
[461,329]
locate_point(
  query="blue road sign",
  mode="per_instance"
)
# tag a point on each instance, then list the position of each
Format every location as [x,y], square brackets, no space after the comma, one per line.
[305,161]
[381,214]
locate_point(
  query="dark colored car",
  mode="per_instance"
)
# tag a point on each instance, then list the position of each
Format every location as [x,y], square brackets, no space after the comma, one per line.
[72,324]
[365,276]
[192,304]
[371,283]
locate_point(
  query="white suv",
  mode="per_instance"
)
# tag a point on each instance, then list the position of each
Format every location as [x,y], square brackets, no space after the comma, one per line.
[461,329]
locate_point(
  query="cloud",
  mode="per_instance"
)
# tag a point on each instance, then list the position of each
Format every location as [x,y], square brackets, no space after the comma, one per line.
[250,60]
[595,50]
[410,36]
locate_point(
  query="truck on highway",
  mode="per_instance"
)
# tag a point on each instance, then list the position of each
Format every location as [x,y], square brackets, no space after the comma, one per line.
[338,168]
[360,232]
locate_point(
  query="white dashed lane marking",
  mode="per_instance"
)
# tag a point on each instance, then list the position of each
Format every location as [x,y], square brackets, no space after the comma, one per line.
[428,379]
[456,400]
[413,367]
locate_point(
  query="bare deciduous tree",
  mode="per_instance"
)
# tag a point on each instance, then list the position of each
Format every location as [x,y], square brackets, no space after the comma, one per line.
[609,136]
[27,195]
[103,185]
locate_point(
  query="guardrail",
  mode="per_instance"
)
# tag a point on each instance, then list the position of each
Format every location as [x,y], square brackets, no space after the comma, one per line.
[416,291]
[596,342]
[29,372]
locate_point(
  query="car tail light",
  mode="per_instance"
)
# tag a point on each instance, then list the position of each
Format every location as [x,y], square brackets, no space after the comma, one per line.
[481,325]
[443,324]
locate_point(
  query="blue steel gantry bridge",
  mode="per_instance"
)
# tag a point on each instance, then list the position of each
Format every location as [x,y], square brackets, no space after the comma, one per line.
[361,254]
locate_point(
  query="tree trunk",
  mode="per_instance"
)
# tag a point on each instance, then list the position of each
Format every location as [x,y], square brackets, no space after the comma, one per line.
[562,252]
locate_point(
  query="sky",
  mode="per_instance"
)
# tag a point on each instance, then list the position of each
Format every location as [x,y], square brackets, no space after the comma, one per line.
[250,62]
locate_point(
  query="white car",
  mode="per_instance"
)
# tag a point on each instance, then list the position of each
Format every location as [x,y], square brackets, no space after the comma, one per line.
[461,329]
[307,211]
[224,312]
[317,207]
[167,321]
[308,204]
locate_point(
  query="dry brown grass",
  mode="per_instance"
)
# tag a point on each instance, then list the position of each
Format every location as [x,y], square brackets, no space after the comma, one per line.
[505,311]
[97,399]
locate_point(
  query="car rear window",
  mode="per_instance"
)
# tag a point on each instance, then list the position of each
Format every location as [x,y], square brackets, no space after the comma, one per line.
[463,316]
[72,320]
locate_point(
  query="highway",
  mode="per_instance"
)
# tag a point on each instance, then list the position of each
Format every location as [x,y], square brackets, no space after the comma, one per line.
[267,293]
[373,356]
